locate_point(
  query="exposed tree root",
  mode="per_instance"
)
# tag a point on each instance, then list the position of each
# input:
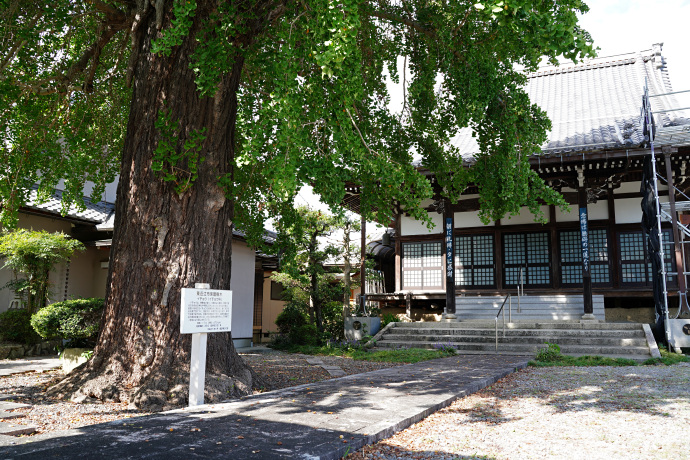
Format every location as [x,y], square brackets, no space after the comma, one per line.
[160,390]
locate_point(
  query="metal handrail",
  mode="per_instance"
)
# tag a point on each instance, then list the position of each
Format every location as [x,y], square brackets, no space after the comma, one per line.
[520,290]
[510,309]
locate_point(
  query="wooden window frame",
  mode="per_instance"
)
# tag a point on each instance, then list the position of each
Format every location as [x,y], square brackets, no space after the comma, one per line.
[422,268]
[474,265]
[528,266]
[669,259]
[593,263]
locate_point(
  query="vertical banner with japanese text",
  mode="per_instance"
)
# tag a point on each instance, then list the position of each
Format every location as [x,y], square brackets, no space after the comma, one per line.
[584,234]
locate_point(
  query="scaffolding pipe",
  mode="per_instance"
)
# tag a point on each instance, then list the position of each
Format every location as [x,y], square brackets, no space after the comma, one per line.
[650,126]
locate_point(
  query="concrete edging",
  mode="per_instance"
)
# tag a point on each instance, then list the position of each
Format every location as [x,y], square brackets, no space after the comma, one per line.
[651,341]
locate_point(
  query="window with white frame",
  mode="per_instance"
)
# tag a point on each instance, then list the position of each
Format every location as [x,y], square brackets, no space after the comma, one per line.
[422,265]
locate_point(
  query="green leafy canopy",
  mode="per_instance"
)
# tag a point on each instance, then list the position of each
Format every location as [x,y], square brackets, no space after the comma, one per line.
[34,254]
[314,100]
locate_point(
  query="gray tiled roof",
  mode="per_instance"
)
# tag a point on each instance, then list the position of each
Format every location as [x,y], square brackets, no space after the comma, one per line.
[101,213]
[109,224]
[96,213]
[597,104]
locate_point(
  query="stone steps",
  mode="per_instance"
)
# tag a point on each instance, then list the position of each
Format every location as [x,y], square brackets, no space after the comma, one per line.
[532,307]
[10,428]
[574,338]
[528,340]
[520,348]
[571,325]
[510,332]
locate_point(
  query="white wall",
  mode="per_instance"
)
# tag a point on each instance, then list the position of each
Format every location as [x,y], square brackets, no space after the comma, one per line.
[409,226]
[629,211]
[525,217]
[469,219]
[571,216]
[598,210]
[242,286]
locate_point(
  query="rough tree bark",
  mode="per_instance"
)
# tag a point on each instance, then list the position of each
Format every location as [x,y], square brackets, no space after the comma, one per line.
[164,241]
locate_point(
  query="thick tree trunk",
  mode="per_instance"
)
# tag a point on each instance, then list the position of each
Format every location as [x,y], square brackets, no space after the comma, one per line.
[164,241]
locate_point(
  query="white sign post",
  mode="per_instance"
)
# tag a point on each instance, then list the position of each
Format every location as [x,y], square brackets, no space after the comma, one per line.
[203,310]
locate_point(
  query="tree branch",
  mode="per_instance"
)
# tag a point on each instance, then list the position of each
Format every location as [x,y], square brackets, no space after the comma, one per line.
[109,10]
[403,20]
[18,46]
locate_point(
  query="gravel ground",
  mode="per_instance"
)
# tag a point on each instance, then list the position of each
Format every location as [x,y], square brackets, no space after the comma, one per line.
[567,412]
[276,369]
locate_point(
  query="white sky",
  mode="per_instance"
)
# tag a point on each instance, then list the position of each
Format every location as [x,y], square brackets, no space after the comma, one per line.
[624,26]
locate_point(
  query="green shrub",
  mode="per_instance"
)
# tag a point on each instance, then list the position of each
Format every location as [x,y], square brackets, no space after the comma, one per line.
[551,353]
[34,254]
[305,334]
[333,322]
[15,326]
[76,320]
[388,318]
[290,318]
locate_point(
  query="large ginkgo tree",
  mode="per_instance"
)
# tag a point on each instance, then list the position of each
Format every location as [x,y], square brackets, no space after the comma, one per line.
[214,113]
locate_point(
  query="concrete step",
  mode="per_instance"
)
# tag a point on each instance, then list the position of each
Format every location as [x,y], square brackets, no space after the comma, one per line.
[11,429]
[573,325]
[590,341]
[522,348]
[4,415]
[10,405]
[520,332]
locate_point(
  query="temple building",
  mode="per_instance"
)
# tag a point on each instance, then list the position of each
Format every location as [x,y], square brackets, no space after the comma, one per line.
[594,156]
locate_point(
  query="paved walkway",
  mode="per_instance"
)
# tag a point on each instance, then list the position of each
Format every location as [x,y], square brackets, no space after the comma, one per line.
[18,366]
[34,364]
[324,420]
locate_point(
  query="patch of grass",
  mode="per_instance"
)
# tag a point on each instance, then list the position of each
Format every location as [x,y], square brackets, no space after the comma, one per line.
[552,356]
[584,361]
[667,358]
[409,355]
[405,355]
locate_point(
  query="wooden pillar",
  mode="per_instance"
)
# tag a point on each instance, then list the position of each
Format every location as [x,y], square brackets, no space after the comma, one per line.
[398,253]
[612,235]
[362,265]
[584,237]
[555,261]
[680,268]
[448,227]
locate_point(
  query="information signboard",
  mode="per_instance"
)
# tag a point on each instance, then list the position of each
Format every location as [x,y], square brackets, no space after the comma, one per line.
[205,310]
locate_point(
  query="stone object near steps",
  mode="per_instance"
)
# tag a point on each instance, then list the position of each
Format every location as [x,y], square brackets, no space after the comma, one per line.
[71,358]
[680,333]
[357,327]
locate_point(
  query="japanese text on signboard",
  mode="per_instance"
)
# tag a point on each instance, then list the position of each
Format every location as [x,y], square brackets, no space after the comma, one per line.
[205,310]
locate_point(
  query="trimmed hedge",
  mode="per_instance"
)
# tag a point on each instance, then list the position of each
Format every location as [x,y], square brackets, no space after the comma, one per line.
[73,320]
[15,326]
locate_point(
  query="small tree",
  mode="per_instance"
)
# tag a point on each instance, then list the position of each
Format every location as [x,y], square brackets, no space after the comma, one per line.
[34,254]
[348,253]
[307,281]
